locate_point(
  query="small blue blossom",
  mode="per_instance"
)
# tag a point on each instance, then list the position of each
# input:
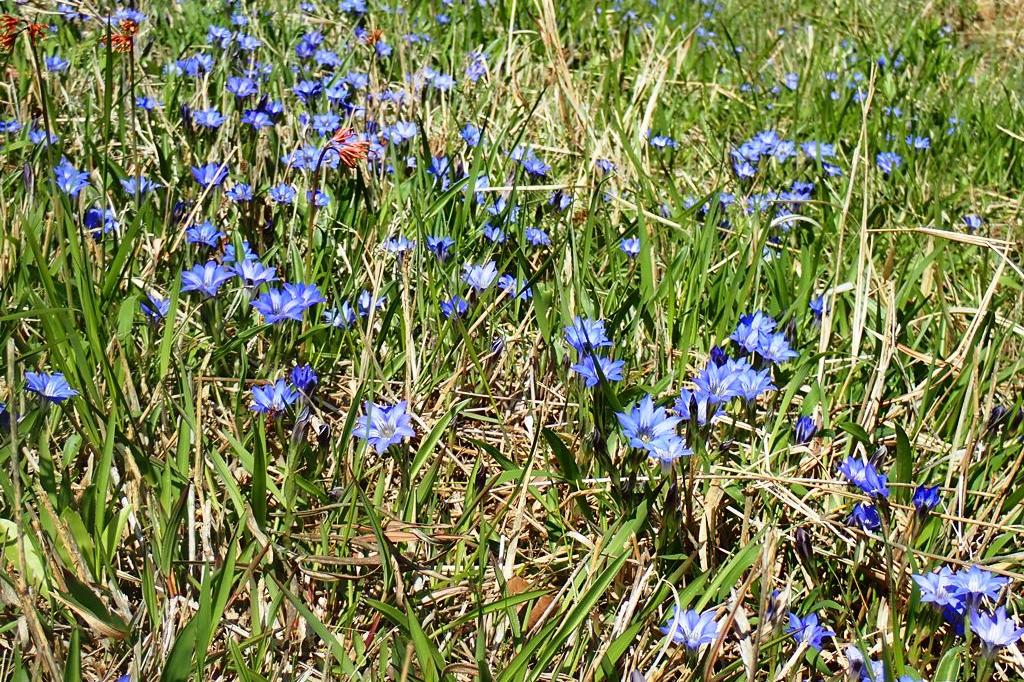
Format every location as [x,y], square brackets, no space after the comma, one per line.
[253,273]
[887,162]
[240,192]
[586,335]
[630,246]
[926,498]
[804,430]
[480,277]
[808,631]
[692,629]
[206,279]
[282,194]
[382,426]
[440,246]
[588,369]
[204,233]
[155,307]
[470,134]
[865,517]
[996,630]
[303,378]
[53,387]
[273,399]
[537,237]
[456,306]
[865,476]
[210,175]
[648,427]
[69,179]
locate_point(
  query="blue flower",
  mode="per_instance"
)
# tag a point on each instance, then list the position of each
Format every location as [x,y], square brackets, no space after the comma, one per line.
[382,426]
[808,630]
[775,348]
[366,302]
[239,192]
[254,273]
[277,305]
[534,166]
[400,132]
[972,584]
[719,382]
[52,387]
[282,194]
[440,246]
[926,498]
[273,399]
[470,134]
[242,86]
[669,451]
[691,629]
[321,200]
[303,378]
[480,277]
[750,328]
[647,426]
[308,90]
[586,335]
[972,222]
[494,234]
[749,383]
[605,166]
[399,246]
[477,66]
[560,200]
[537,237]
[454,307]
[99,221]
[697,406]
[247,253]
[938,588]
[206,279]
[138,185]
[864,475]
[804,430]
[342,318]
[208,118]
[257,119]
[817,306]
[147,103]
[887,162]
[307,295]
[662,142]
[155,308]
[69,179]
[864,516]
[56,63]
[630,246]
[918,143]
[210,175]
[204,233]
[588,369]
[996,630]
[510,285]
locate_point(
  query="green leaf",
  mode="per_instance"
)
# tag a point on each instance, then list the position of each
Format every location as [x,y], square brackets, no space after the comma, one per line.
[87,605]
[178,667]
[904,466]
[948,669]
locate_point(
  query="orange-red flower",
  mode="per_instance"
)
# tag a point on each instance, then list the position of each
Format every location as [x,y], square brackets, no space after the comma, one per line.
[350,150]
[373,36]
[37,31]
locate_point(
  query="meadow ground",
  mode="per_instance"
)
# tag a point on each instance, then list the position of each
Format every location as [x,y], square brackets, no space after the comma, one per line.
[511,340]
